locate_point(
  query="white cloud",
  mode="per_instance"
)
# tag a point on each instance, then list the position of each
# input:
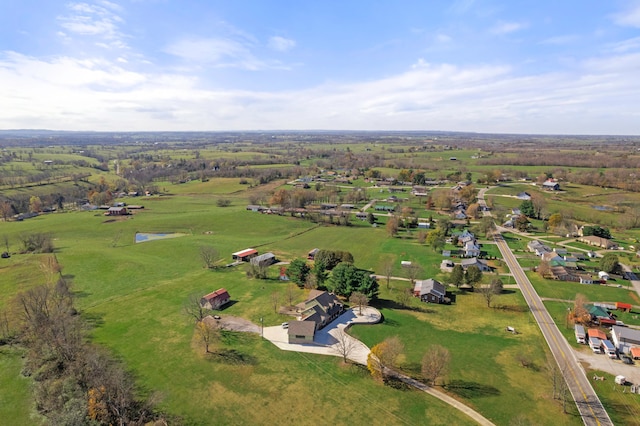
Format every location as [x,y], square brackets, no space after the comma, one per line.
[629,17]
[93,20]
[508,27]
[95,94]
[625,45]
[281,44]
[221,52]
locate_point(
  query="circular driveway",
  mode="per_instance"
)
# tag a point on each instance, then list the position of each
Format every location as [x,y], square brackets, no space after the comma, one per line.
[325,340]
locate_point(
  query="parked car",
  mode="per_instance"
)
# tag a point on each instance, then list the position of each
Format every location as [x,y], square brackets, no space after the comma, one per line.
[627,359]
[285,325]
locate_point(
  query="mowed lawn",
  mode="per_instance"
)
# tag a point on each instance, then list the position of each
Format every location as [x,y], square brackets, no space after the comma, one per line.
[484,370]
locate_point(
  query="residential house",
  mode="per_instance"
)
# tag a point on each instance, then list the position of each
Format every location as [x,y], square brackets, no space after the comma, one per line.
[465,237]
[474,261]
[321,307]
[537,247]
[471,249]
[244,255]
[216,299]
[430,291]
[604,243]
[263,260]
[255,208]
[362,216]
[523,196]
[301,331]
[551,185]
[553,258]
[585,279]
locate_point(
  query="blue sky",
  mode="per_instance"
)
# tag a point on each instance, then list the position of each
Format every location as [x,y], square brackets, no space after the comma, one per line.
[519,66]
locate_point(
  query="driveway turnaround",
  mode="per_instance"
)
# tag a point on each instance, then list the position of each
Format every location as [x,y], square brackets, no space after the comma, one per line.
[326,339]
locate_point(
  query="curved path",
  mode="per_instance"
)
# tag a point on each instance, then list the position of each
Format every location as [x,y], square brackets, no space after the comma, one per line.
[326,339]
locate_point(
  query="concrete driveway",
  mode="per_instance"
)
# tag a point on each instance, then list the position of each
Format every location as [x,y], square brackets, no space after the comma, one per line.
[326,339]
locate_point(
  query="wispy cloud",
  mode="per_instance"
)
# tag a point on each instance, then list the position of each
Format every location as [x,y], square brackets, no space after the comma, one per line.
[630,17]
[220,52]
[281,44]
[561,40]
[98,20]
[461,6]
[508,27]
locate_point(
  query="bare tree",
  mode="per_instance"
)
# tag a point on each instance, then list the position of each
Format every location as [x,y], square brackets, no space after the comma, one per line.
[435,363]
[194,309]
[359,299]
[5,210]
[412,272]
[404,296]
[291,294]
[275,301]
[208,331]
[580,313]
[345,345]
[209,256]
[487,293]
[7,331]
[5,239]
[387,269]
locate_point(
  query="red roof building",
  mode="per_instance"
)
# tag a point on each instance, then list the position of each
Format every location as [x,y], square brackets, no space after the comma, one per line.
[216,299]
[244,255]
[623,306]
[594,332]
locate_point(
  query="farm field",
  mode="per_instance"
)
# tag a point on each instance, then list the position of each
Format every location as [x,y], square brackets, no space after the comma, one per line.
[133,294]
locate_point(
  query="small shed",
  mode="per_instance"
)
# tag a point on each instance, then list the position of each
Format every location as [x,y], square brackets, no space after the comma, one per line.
[635,352]
[626,307]
[603,275]
[312,254]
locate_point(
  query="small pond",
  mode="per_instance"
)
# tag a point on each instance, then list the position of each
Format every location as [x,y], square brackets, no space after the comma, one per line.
[603,208]
[142,237]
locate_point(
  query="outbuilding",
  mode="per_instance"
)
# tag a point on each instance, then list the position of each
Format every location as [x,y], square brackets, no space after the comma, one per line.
[301,331]
[244,255]
[216,299]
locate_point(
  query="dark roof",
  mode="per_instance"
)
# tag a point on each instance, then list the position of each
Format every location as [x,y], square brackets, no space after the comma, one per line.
[429,286]
[301,328]
[263,258]
[321,306]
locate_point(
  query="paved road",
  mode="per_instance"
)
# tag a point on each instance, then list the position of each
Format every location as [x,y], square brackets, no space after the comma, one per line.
[589,405]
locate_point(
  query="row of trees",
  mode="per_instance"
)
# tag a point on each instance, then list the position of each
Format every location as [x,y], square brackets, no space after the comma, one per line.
[75,382]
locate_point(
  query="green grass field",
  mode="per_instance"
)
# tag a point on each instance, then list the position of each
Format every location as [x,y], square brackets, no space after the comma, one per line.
[133,294]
